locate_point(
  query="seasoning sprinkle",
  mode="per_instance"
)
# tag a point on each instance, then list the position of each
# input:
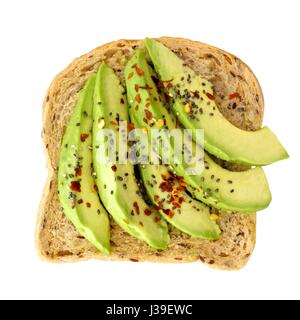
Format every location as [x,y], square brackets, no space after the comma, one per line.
[83,137]
[101,123]
[214,217]
[187,108]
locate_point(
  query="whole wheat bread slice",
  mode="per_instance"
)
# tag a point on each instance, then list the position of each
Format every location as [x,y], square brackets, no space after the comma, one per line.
[57,239]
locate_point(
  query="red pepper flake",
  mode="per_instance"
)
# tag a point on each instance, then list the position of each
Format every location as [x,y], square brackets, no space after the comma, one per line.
[164,177]
[176,205]
[114,122]
[88,205]
[157,219]
[130,75]
[227,58]
[156,207]
[78,172]
[169,213]
[131,126]
[75,186]
[122,101]
[138,98]
[147,105]
[139,71]
[136,87]
[148,114]
[166,186]
[136,207]
[114,168]
[80,201]
[234,95]
[169,85]
[183,185]
[210,96]
[83,136]
[147,212]
[148,99]
[180,200]
[156,198]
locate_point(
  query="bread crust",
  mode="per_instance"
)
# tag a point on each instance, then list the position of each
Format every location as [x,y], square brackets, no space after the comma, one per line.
[56,238]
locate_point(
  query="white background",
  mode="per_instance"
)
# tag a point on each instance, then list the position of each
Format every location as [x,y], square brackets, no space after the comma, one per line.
[39,38]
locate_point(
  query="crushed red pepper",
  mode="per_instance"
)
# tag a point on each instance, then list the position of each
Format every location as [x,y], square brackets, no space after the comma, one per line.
[131,126]
[234,95]
[148,114]
[78,171]
[166,186]
[147,212]
[83,136]
[114,168]
[139,71]
[130,75]
[210,96]
[138,98]
[75,186]
[157,219]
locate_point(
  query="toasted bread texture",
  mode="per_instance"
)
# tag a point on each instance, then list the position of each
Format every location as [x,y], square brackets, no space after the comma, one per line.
[57,239]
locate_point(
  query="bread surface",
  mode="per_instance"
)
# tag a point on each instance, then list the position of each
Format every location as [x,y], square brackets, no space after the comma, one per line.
[58,240]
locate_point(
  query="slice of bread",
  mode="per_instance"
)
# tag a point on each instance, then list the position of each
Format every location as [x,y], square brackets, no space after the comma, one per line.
[57,239]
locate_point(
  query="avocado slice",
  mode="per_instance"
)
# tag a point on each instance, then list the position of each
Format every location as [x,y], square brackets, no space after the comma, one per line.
[196,108]
[167,193]
[117,184]
[77,193]
[246,191]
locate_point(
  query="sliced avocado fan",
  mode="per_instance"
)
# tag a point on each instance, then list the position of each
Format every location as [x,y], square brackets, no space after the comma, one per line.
[116,181]
[246,191]
[195,106]
[77,193]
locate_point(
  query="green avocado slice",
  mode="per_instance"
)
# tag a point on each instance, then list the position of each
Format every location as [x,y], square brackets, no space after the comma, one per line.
[77,193]
[246,191]
[116,181]
[168,195]
[195,107]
